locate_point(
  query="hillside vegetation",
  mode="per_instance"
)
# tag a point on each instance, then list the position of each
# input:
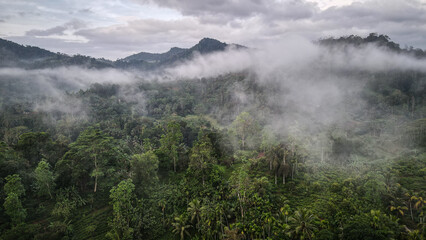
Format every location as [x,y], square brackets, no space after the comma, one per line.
[325,153]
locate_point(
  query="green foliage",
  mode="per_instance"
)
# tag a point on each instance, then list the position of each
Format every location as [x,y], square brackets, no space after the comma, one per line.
[373,225]
[12,203]
[67,202]
[302,224]
[93,155]
[14,185]
[13,207]
[44,183]
[34,146]
[21,232]
[170,142]
[201,157]
[180,227]
[144,169]
[122,200]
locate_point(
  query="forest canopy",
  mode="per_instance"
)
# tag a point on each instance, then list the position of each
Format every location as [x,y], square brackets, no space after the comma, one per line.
[323,142]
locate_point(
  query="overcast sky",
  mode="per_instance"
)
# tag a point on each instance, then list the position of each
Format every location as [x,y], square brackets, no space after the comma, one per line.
[117,28]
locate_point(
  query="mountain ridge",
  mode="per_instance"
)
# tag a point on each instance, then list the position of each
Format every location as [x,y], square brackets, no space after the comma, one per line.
[146,60]
[16,55]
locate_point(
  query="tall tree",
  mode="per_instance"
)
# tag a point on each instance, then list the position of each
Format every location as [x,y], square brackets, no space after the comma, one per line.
[170,142]
[122,199]
[242,186]
[201,157]
[274,156]
[268,141]
[180,227]
[246,128]
[144,169]
[67,202]
[35,146]
[45,181]
[93,155]
[12,203]
[10,161]
[194,210]
[302,224]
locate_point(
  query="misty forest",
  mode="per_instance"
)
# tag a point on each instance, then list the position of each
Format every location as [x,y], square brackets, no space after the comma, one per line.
[299,139]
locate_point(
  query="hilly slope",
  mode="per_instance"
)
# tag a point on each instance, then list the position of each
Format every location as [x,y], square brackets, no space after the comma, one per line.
[147,61]
[154,57]
[16,55]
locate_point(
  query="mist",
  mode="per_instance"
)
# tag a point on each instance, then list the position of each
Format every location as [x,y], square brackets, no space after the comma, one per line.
[318,79]
[313,85]
[318,89]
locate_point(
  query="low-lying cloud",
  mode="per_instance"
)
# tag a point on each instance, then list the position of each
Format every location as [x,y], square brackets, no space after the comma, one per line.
[312,83]
[294,55]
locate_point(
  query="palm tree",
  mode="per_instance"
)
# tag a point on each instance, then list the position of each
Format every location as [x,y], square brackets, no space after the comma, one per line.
[283,214]
[302,224]
[232,234]
[399,210]
[162,204]
[410,198]
[180,227]
[194,210]
[419,202]
[267,221]
[274,160]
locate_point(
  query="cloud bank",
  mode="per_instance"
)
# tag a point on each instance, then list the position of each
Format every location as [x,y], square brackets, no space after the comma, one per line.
[116,29]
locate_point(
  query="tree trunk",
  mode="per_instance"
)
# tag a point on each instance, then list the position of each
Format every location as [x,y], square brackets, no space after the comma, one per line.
[284,162]
[174,164]
[241,206]
[243,140]
[48,190]
[96,176]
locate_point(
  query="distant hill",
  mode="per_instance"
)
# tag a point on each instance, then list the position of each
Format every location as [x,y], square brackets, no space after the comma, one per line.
[154,57]
[16,51]
[146,60]
[12,53]
[373,38]
[16,55]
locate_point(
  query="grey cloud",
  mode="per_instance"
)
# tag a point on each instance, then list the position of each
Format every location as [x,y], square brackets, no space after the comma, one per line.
[5,17]
[225,11]
[58,30]
[69,78]
[377,11]
[85,10]
[28,13]
[51,31]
